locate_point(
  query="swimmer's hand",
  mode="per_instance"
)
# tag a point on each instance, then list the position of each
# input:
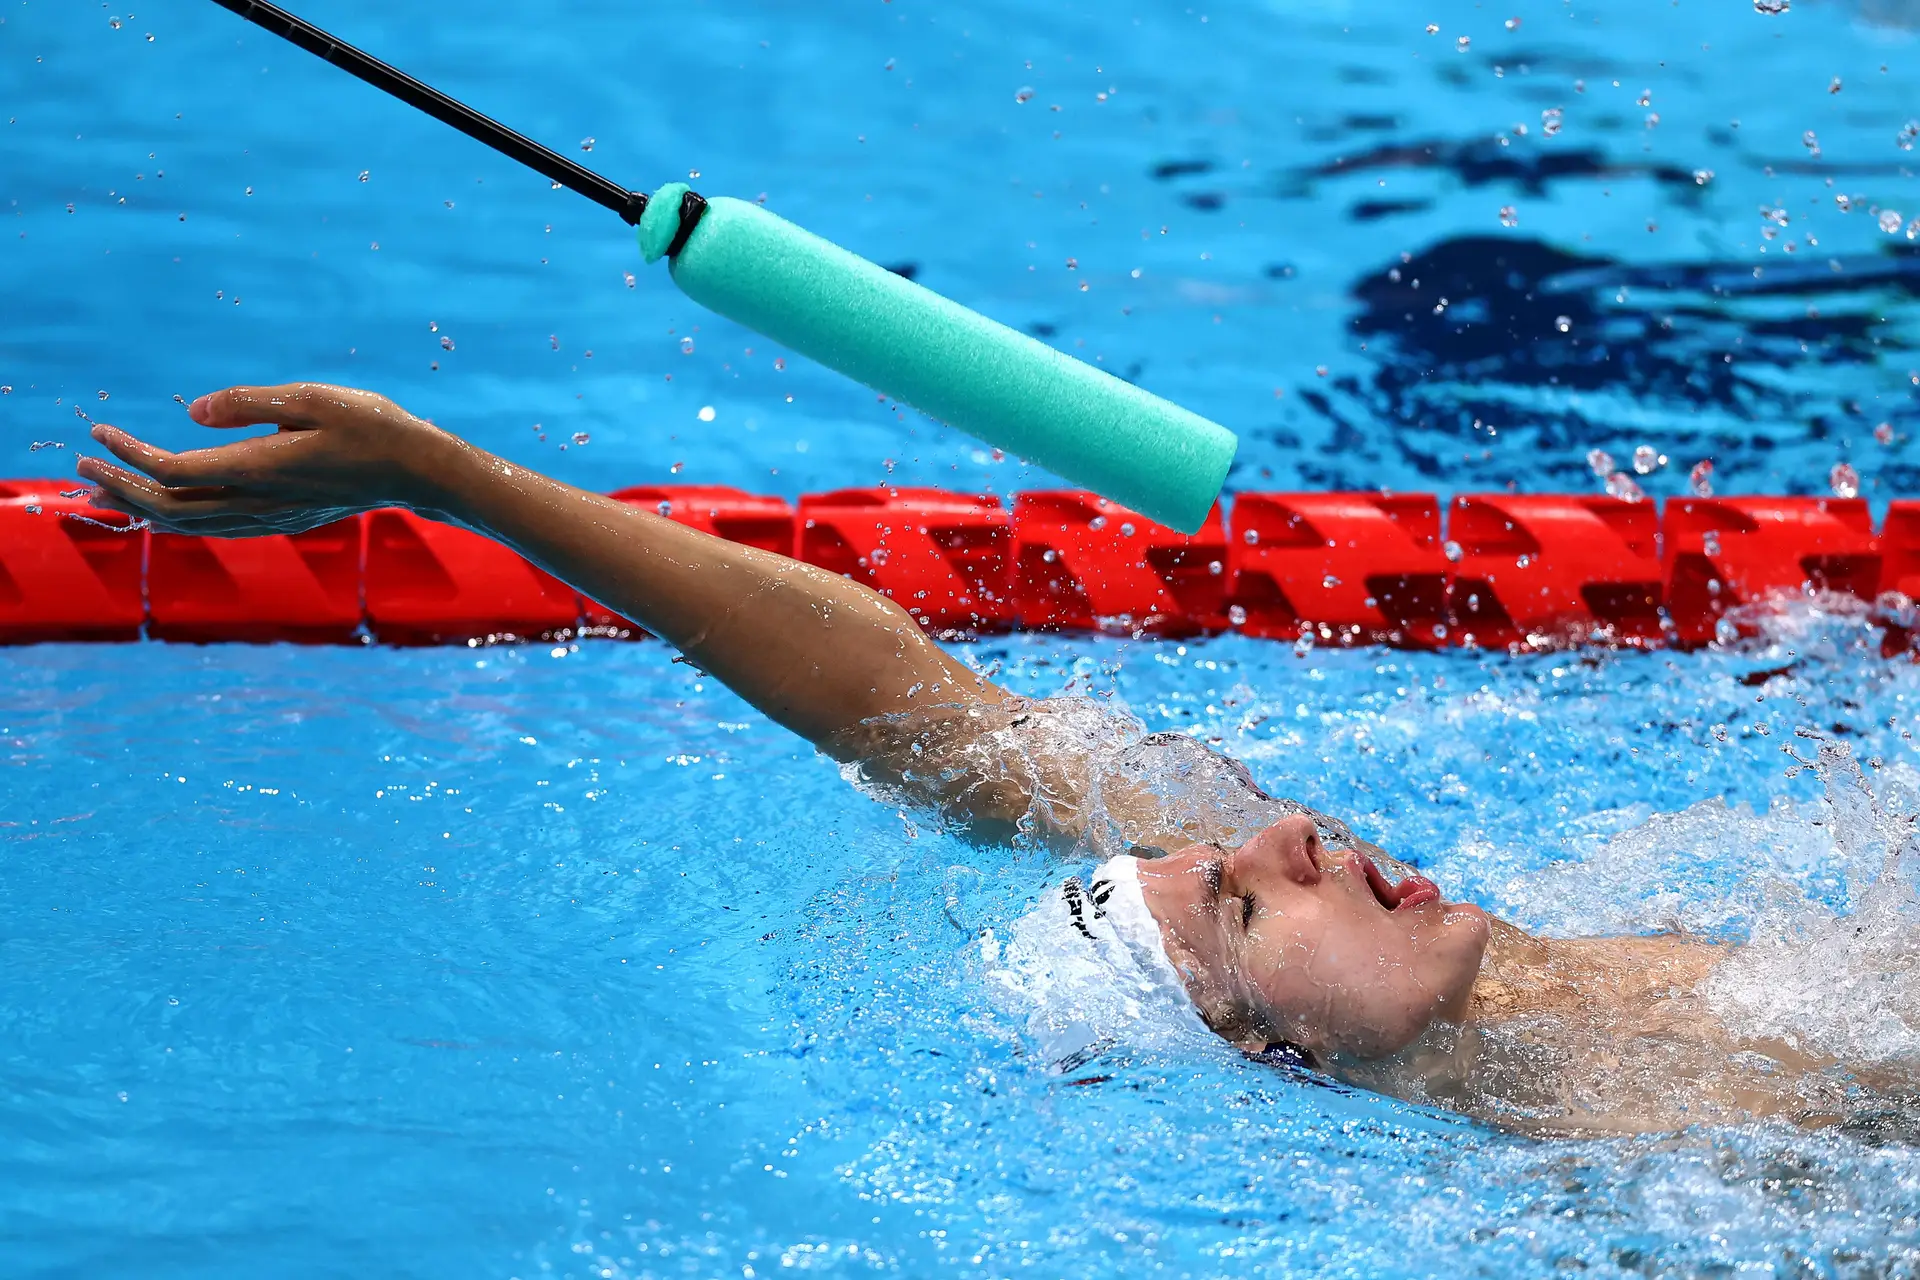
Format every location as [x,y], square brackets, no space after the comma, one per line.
[337,452]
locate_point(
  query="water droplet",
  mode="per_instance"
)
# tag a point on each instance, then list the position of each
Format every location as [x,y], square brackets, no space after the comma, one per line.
[586,144]
[706,413]
[780,362]
[115,24]
[1701,177]
[1462,43]
[1623,486]
[101,394]
[1126,528]
[581,437]
[1908,132]
[1320,371]
[1645,99]
[1551,120]
[1509,218]
[1772,8]
[1452,550]
[553,340]
[1563,323]
[1601,462]
[249,190]
[1835,86]
[1023,94]
[686,346]
[38,445]
[1237,615]
[1647,459]
[629,277]
[1844,480]
[1710,542]
[365,174]
[446,342]
[1215,568]
[1882,433]
[1304,645]
[1251,537]
[433,326]
[676,468]
[1097,523]
[878,556]
[1433,28]
[1521,562]
[1329,581]
[69,206]
[1513,24]
[1811,142]
[1889,220]
[998,455]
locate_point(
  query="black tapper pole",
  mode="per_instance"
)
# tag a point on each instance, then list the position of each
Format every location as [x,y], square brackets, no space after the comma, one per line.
[628,204]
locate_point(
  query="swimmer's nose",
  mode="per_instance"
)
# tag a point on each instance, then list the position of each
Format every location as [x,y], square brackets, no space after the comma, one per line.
[1290,848]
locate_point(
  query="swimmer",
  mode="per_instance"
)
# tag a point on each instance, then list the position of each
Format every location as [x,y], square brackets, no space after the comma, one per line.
[1272,926]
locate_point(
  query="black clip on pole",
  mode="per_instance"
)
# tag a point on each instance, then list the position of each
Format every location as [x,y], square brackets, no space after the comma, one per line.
[628,204]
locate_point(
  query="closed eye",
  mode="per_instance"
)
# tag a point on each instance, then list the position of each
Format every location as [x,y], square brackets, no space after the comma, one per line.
[1246,911]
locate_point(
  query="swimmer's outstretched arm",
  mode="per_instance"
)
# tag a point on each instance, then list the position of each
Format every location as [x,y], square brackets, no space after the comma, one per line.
[812,650]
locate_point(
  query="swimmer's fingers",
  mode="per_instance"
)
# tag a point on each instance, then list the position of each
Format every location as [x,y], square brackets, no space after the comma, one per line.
[242,462]
[141,496]
[295,405]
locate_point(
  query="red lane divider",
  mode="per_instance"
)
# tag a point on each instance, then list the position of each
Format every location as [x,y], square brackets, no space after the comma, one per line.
[1084,563]
[1350,568]
[430,583]
[303,587]
[946,557]
[1724,552]
[757,520]
[1563,569]
[63,578]
[1344,568]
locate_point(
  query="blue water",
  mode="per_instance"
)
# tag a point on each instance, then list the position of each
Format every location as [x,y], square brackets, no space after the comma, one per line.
[528,962]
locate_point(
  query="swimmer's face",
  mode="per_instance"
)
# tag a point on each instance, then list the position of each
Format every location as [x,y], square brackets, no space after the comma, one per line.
[1287,939]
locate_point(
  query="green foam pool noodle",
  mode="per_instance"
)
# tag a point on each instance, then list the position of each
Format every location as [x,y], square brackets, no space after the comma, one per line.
[953,364]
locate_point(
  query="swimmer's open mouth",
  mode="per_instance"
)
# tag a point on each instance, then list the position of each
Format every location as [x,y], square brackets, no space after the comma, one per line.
[1414,891]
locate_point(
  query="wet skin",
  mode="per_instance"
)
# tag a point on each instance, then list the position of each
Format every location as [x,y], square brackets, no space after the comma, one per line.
[1286,939]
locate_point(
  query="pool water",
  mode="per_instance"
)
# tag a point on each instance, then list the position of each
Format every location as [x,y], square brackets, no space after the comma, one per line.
[561,961]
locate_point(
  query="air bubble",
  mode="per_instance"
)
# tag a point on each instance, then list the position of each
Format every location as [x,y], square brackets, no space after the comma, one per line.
[1461,45]
[1647,460]
[686,346]
[581,437]
[1882,433]
[1844,480]
[1889,220]
[1097,523]
[365,174]
[1772,8]
[1452,550]
[446,342]
[1023,94]
[1563,323]
[676,468]
[1701,177]
[1329,581]
[586,144]
[1601,462]
[1237,615]
[1908,132]
[1508,217]
[1551,120]
[1811,142]
[706,413]
[629,278]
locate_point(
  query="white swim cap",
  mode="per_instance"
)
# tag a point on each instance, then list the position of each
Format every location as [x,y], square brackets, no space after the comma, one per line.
[1086,970]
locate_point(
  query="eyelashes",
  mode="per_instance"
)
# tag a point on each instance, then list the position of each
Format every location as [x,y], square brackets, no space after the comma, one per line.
[1246,911]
